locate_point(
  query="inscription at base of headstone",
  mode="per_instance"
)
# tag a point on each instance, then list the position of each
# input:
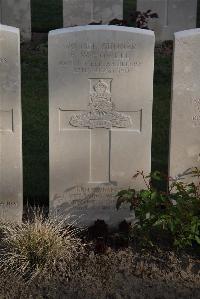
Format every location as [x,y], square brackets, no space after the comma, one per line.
[86,204]
[83,12]
[11,198]
[173,16]
[100,118]
[185,111]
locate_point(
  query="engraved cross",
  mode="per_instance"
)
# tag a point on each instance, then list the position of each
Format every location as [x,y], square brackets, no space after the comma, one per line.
[102,119]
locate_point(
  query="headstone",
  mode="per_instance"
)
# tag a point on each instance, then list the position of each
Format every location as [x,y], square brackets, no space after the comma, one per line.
[185,110]
[173,16]
[17,13]
[11,199]
[101,93]
[83,12]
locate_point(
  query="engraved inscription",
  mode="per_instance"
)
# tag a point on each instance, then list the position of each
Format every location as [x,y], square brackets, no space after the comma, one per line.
[102,112]
[121,45]
[8,204]
[85,196]
[110,57]
[86,204]
[3,60]
[6,120]
[196,115]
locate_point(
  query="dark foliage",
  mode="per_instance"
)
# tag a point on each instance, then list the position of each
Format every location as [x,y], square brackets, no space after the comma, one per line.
[118,22]
[174,213]
[95,23]
[141,18]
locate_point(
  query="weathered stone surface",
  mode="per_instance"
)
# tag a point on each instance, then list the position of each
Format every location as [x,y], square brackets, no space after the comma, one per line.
[101,92]
[185,111]
[174,15]
[11,199]
[17,13]
[83,12]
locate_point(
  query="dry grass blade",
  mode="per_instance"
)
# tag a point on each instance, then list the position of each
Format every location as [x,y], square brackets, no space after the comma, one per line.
[40,246]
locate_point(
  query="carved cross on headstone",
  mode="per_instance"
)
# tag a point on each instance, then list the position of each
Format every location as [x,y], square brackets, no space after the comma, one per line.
[102,119]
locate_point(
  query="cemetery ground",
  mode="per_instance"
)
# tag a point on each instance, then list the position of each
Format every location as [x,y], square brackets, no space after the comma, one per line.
[40,259]
[102,264]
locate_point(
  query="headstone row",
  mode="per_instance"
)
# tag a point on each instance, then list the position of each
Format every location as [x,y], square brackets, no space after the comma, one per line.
[100,111]
[173,16]
[83,12]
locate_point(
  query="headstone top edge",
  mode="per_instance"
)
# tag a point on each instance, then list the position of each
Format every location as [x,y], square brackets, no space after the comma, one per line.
[103,28]
[186,33]
[9,29]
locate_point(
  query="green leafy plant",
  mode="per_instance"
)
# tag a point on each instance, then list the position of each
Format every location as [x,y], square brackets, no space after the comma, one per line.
[174,213]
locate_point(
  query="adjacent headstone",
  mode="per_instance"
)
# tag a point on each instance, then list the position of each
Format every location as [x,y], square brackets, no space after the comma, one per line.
[185,110]
[17,13]
[101,93]
[83,12]
[11,200]
[173,16]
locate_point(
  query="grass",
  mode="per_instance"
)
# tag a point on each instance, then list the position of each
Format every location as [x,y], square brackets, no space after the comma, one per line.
[125,273]
[35,122]
[129,6]
[47,15]
[38,247]
[161,112]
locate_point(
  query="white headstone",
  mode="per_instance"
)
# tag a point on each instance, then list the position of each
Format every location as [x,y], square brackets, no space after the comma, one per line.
[174,15]
[101,93]
[11,199]
[185,110]
[83,12]
[17,13]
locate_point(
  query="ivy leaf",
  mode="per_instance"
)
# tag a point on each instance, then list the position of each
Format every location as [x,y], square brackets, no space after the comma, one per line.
[154,195]
[156,175]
